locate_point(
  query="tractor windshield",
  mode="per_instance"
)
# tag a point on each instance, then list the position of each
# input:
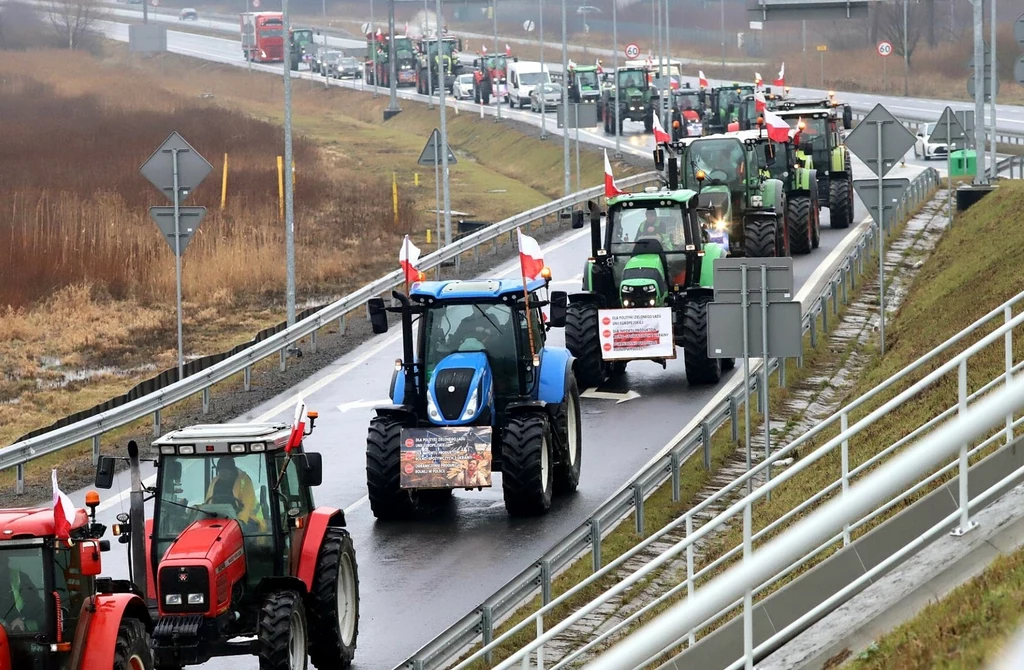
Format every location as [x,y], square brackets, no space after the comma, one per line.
[722,161]
[451,328]
[587,80]
[815,131]
[630,79]
[22,591]
[664,224]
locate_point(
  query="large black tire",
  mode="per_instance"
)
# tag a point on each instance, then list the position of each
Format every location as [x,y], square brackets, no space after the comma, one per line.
[387,499]
[816,232]
[283,635]
[568,425]
[701,369]
[649,121]
[131,649]
[527,475]
[582,339]
[334,600]
[840,205]
[800,217]
[759,236]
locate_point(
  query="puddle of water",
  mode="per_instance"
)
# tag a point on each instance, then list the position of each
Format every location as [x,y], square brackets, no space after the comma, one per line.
[71,376]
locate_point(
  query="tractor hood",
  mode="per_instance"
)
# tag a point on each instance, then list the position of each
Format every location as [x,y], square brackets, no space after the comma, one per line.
[461,387]
[643,281]
[213,540]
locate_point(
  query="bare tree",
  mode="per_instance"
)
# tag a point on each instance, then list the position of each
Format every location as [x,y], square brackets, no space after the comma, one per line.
[891,25]
[73,20]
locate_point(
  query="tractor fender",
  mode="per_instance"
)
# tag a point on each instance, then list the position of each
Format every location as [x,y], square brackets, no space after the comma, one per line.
[586,298]
[555,367]
[397,412]
[526,407]
[5,650]
[96,633]
[712,250]
[838,159]
[698,291]
[317,524]
[773,194]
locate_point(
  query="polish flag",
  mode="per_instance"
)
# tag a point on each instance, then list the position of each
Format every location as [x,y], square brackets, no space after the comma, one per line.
[508,51]
[702,82]
[660,136]
[778,129]
[760,104]
[408,257]
[781,81]
[485,49]
[610,189]
[530,258]
[757,80]
[298,427]
[63,511]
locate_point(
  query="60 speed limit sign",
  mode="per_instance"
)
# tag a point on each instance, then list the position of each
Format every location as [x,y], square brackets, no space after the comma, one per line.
[632,51]
[884,48]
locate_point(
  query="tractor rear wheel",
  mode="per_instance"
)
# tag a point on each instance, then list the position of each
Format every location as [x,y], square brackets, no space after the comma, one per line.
[759,236]
[649,121]
[388,500]
[527,475]
[816,230]
[801,223]
[283,638]
[840,208]
[582,341]
[131,649]
[334,614]
[567,423]
[700,368]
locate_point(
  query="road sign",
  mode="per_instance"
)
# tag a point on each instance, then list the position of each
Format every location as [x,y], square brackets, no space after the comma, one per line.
[884,48]
[192,168]
[632,51]
[431,154]
[191,217]
[155,2]
[365,28]
[256,3]
[892,189]
[987,56]
[728,279]
[725,328]
[948,129]
[988,85]
[1018,71]
[1018,30]
[585,115]
[896,140]
[528,26]
[966,119]
[822,47]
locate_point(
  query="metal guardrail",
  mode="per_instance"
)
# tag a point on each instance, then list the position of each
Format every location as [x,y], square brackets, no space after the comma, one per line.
[92,428]
[479,624]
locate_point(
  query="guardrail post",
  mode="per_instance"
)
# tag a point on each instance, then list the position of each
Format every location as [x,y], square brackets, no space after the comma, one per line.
[284,359]
[156,423]
[824,314]
[638,507]
[487,629]
[476,254]
[529,229]
[814,330]
[545,582]
[705,438]
[853,274]
[846,281]
[247,377]
[595,544]
[748,596]
[674,465]
[95,449]
[312,342]
[1008,316]
[966,525]
[734,417]
[844,424]
[341,325]
[835,294]
[206,400]
[689,568]
[19,486]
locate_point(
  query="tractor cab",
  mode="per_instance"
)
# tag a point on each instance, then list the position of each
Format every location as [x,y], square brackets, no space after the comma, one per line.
[748,114]
[725,103]
[54,612]
[637,100]
[584,84]
[687,112]
[302,46]
[236,542]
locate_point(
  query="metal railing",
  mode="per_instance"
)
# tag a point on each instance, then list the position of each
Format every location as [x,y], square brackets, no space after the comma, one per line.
[741,512]
[479,625]
[94,427]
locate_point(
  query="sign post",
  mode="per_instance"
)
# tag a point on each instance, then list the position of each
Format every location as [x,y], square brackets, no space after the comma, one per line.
[431,155]
[948,130]
[884,49]
[822,48]
[176,178]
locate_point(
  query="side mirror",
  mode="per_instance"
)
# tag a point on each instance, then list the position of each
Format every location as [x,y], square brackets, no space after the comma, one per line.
[807,147]
[105,472]
[378,317]
[847,117]
[558,304]
[174,470]
[313,468]
[89,558]
[659,159]
[578,219]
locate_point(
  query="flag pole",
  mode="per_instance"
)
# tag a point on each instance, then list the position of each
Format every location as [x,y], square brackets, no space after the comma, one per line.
[526,298]
[405,250]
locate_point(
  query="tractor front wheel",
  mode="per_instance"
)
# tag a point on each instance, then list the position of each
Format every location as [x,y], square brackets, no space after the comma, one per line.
[759,236]
[283,639]
[131,649]
[582,340]
[388,500]
[649,121]
[700,368]
[567,422]
[334,615]
[527,475]
[840,207]
[800,216]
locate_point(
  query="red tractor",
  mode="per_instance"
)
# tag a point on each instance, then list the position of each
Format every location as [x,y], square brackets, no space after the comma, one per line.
[236,549]
[489,78]
[54,612]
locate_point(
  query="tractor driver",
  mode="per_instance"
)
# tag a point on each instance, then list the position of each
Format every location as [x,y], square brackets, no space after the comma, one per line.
[667,231]
[726,157]
[21,602]
[234,487]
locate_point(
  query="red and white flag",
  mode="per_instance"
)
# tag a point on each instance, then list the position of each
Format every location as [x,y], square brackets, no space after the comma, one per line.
[757,80]
[760,104]
[778,129]
[485,49]
[610,189]
[701,80]
[298,427]
[530,257]
[781,81]
[660,136]
[408,258]
[508,50]
[63,511]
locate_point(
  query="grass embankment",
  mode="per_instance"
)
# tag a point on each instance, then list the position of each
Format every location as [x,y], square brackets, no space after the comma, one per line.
[87,284]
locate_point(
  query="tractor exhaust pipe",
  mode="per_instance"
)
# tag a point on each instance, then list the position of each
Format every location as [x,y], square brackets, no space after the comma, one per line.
[407,350]
[673,173]
[595,227]
[137,520]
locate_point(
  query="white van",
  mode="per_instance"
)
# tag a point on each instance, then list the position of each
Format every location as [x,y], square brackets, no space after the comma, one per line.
[522,77]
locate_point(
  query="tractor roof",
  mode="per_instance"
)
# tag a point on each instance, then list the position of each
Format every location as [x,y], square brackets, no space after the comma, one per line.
[681,196]
[781,110]
[30,522]
[224,438]
[473,289]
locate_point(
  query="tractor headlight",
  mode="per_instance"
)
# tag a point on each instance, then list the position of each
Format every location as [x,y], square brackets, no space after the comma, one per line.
[195,599]
[626,303]
[720,224]
[756,201]
[650,288]
[172,599]
[651,302]
[432,408]
[471,406]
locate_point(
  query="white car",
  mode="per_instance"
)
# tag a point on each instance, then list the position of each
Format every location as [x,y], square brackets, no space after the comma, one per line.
[463,87]
[925,149]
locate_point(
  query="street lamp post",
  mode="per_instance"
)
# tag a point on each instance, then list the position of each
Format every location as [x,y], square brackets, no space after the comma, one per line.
[615,76]
[426,41]
[497,100]
[289,204]
[392,108]
[444,138]
[543,104]
[723,32]
[906,54]
[565,101]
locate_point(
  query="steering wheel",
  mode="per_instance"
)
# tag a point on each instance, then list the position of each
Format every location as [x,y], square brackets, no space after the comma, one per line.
[717,175]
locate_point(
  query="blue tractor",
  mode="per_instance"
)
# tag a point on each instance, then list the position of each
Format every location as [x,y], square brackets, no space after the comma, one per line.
[470,400]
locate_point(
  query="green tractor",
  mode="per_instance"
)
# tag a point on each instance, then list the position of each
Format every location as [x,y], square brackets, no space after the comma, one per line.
[822,137]
[646,288]
[724,105]
[585,85]
[637,100]
[747,114]
[302,47]
[733,175]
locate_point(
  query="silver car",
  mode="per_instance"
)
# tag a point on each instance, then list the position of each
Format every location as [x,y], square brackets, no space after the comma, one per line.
[552,97]
[462,89]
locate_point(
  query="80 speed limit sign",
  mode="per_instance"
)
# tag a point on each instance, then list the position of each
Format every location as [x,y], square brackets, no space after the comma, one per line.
[632,51]
[884,48]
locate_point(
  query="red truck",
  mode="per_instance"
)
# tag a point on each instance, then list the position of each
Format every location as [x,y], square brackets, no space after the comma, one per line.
[263,36]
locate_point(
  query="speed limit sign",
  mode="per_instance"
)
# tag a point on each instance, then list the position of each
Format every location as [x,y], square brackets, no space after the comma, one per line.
[632,51]
[255,3]
[884,48]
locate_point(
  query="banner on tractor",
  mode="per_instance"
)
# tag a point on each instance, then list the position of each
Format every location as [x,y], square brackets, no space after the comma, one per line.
[627,334]
[446,457]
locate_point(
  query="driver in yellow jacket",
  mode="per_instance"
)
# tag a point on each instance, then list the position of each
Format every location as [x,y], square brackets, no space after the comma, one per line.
[234,487]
